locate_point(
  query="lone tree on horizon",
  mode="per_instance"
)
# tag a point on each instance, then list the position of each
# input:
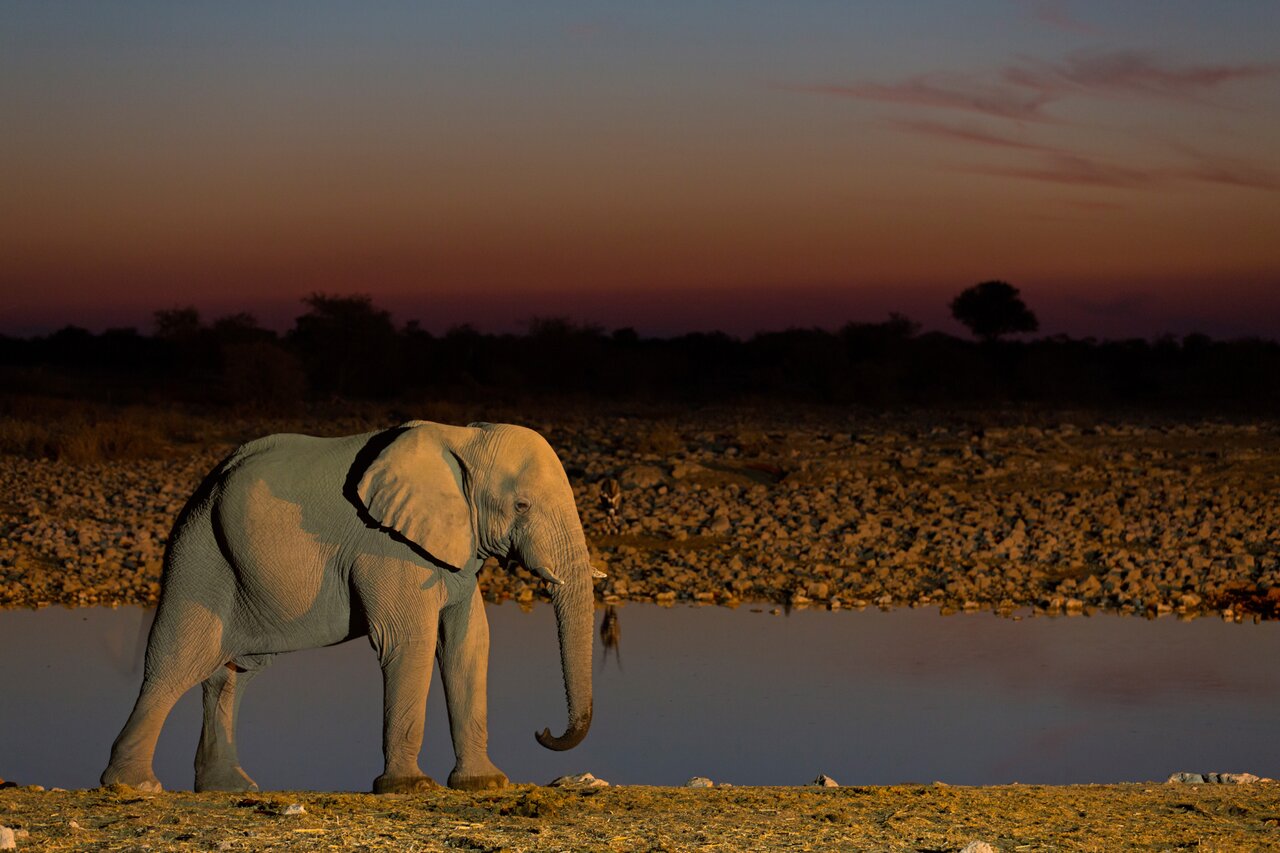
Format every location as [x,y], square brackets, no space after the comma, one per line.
[992,309]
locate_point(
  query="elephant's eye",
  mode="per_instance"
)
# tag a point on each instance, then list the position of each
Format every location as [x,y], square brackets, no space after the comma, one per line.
[523,504]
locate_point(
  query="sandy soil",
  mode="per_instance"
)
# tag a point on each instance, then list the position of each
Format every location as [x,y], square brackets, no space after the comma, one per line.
[1057,512]
[918,818]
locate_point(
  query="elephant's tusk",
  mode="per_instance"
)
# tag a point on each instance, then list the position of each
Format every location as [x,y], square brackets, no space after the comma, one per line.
[545,573]
[597,574]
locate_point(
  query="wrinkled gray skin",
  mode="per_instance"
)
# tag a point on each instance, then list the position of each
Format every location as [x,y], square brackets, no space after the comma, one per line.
[295,542]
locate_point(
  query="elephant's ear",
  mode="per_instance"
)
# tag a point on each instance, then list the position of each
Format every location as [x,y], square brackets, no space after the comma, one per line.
[415,487]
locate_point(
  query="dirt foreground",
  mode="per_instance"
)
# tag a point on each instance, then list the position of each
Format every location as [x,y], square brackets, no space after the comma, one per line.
[1149,816]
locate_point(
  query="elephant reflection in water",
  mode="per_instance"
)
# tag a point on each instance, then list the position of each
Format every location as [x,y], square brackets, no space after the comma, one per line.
[611,636]
[295,542]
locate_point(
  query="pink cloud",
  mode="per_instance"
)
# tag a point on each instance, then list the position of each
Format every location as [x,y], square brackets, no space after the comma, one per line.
[1077,170]
[1128,73]
[1023,91]
[967,134]
[944,91]
[1074,170]
[1234,173]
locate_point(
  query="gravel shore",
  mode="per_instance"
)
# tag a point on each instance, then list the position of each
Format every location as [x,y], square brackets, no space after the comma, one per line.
[529,818]
[1062,513]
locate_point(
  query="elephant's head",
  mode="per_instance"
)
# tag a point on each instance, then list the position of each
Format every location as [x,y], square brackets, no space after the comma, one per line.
[494,490]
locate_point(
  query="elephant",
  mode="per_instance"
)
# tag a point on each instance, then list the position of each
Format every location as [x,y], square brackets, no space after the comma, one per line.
[296,542]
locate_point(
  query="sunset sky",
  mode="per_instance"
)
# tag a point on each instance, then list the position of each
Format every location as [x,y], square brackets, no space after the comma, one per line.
[670,166]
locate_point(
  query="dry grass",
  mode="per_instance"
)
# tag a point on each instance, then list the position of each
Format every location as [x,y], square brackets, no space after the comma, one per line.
[932,817]
[660,439]
[86,433]
[79,441]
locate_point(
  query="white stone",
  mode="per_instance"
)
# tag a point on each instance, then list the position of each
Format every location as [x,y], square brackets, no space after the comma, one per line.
[578,780]
[1216,778]
[294,808]
[699,782]
[7,841]
[979,847]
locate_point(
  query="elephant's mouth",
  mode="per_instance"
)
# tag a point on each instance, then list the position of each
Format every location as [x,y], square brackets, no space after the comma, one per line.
[512,560]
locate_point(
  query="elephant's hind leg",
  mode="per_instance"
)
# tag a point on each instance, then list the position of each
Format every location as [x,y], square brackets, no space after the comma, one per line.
[217,763]
[183,650]
[132,752]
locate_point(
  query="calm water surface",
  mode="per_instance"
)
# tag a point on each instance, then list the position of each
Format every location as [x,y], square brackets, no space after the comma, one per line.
[742,697]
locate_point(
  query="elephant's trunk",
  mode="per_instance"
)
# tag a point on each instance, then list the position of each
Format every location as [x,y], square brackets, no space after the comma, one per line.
[574,601]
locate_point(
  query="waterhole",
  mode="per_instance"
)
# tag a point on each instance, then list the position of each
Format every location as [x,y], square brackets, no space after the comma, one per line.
[739,696]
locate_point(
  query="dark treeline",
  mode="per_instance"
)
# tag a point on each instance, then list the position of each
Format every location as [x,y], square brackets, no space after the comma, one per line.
[346,347]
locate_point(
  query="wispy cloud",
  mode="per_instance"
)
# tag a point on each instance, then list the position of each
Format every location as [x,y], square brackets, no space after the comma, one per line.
[1054,15]
[1077,170]
[1128,73]
[961,133]
[945,91]
[1022,91]
[1230,172]
[1073,170]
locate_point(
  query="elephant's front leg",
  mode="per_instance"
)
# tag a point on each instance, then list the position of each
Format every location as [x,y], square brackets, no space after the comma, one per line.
[464,669]
[406,676]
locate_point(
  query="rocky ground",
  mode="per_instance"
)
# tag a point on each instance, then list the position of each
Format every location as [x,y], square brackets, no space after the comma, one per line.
[820,510]
[1059,512]
[528,818]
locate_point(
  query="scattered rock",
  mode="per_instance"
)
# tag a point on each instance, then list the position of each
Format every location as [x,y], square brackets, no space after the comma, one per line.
[699,782]
[294,808]
[579,780]
[642,477]
[684,470]
[1019,516]
[825,781]
[7,840]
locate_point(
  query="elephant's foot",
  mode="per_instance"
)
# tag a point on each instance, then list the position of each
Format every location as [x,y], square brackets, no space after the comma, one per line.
[224,777]
[478,776]
[134,775]
[385,784]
